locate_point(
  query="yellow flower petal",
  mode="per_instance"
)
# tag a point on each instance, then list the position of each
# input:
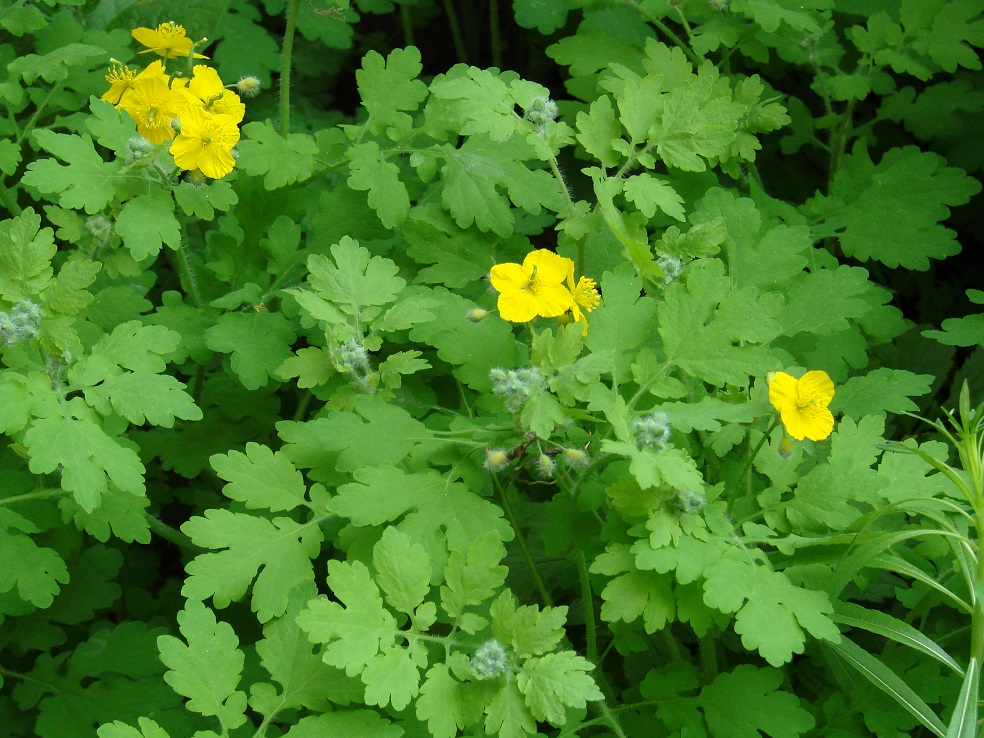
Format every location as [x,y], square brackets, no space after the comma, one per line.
[509,277]
[167,40]
[802,404]
[550,267]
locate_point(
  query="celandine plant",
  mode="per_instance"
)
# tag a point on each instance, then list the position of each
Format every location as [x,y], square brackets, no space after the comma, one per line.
[418,398]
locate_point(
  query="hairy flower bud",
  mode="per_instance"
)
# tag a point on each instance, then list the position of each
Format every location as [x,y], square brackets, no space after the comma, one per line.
[516,386]
[652,431]
[477,315]
[353,357]
[690,501]
[496,459]
[22,323]
[490,660]
[542,110]
[545,465]
[672,268]
[248,86]
[575,457]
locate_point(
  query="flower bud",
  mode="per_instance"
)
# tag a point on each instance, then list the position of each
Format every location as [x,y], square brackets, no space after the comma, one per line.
[575,457]
[652,431]
[496,459]
[542,110]
[785,447]
[545,465]
[690,501]
[352,355]
[672,268]
[490,660]
[477,315]
[248,86]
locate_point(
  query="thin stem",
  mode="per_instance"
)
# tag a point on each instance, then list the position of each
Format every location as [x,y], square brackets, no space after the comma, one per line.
[406,24]
[690,32]
[36,495]
[751,457]
[168,533]
[708,656]
[459,41]
[285,66]
[521,540]
[677,41]
[496,39]
[187,273]
[588,600]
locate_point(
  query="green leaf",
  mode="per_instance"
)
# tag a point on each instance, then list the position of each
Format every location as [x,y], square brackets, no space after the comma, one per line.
[746,703]
[89,458]
[370,171]
[632,594]
[968,331]
[56,65]
[772,612]
[651,194]
[402,570]
[258,343]
[311,366]
[597,128]
[112,128]
[400,364]
[260,478]
[25,256]
[33,572]
[945,30]
[345,724]
[68,293]
[963,722]
[555,682]
[474,575]
[543,15]
[206,666]
[507,714]
[141,398]
[202,200]
[529,630]
[883,624]
[442,703]
[702,323]
[276,553]
[876,672]
[770,14]
[881,391]
[388,87]
[475,174]
[891,211]
[147,222]
[441,516]
[84,182]
[283,161]
[354,626]
[353,280]
[117,729]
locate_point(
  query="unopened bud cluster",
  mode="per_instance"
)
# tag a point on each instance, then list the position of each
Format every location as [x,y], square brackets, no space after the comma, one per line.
[516,386]
[21,323]
[352,356]
[542,110]
[100,227]
[689,501]
[672,268]
[652,431]
[490,660]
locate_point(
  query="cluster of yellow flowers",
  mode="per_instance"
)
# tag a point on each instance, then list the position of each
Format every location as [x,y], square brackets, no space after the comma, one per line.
[543,285]
[198,113]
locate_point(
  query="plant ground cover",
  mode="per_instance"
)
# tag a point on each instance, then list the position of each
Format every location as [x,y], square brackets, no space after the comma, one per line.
[545,367]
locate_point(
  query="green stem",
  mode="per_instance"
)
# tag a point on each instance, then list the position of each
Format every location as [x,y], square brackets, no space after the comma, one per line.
[36,495]
[406,24]
[459,41]
[285,66]
[751,457]
[168,533]
[677,41]
[187,273]
[521,540]
[588,600]
[496,39]
[690,32]
[708,656]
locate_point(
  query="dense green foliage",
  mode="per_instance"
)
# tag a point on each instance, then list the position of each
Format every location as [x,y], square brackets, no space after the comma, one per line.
[274,465]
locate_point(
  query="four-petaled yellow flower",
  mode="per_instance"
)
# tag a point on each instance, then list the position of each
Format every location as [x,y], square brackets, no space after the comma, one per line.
[533,288]
[205,143]
[152,104]
[167,40]
[120,80]
[802,404]
[584,295]
[205,90]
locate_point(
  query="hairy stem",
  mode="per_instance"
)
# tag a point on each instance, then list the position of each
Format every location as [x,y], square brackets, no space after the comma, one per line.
[285,66]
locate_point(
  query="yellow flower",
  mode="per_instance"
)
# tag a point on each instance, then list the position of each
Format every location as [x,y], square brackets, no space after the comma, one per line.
[205,89]
[120,80]
[167,40]
[584,295]
[802,404]
[152,104]
[205,143]
[533,288]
